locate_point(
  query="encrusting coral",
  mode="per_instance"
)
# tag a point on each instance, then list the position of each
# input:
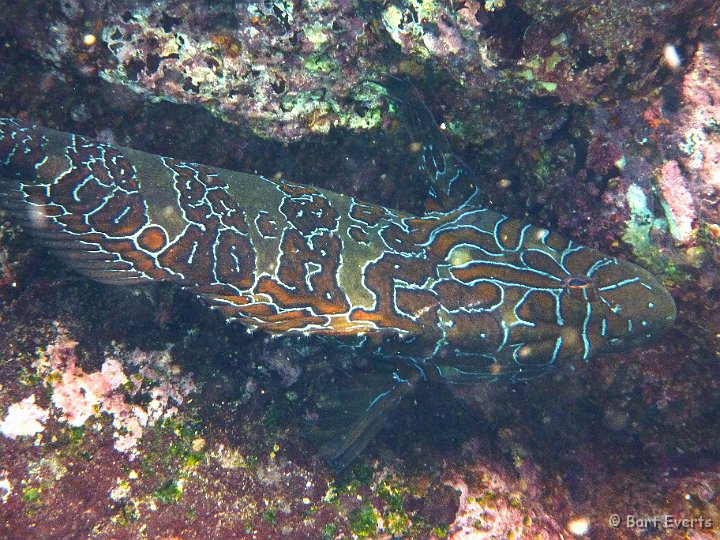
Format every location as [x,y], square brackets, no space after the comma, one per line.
[78,396]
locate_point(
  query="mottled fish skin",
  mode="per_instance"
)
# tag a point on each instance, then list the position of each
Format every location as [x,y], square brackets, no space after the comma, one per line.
[469,293]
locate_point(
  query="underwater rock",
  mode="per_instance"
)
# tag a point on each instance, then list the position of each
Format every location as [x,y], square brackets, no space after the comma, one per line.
[286,70]
[678,201]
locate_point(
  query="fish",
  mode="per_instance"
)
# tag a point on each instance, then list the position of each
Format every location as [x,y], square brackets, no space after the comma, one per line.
[460,293]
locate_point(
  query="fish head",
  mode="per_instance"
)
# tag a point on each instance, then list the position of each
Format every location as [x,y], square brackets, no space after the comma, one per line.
[530,299]
[616,304]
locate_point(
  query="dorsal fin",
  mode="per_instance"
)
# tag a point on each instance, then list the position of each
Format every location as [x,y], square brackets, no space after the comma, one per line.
[451,182]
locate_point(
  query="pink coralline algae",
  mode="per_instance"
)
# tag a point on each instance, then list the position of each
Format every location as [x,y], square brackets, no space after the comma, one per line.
[24,418]
[678,201]
[701,94]
[76,393]
[497,516]
[79,396]
[699,128]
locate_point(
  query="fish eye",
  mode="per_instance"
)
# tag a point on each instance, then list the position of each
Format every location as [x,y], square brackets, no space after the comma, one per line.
[577,282]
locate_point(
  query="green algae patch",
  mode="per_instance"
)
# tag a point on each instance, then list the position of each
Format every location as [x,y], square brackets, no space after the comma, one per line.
[379,501]
[31,494]
[321,63]
[393,496]
[329,531]
[543,168]
[640,230]
[552,61]
[270,516]
[169,493]
[75,434]
[128,514]
[364,521]
[318,34]
[397,522]
[361,474]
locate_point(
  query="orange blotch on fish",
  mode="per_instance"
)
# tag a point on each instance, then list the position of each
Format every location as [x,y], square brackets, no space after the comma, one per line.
[298,324]
[266,225]
[482,295]
[510,234]
[152,239]
[368,214]
[444,243]
[481,270]
[577,282]
[357,234]
[142,264]
[495,369]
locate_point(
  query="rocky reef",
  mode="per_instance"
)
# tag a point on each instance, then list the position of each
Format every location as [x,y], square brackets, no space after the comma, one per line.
[134,413]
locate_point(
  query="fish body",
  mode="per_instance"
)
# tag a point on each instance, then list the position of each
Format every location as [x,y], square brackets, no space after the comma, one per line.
[470,292]
[461,293]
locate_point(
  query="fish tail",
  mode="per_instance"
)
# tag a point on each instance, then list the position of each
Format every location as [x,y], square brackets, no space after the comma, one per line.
[79,198]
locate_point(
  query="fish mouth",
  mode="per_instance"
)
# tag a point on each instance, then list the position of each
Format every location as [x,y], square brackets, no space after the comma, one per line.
[644,306]
[663,307]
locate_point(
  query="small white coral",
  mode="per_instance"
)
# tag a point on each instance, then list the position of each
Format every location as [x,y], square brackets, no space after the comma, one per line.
[24,418]
[5,486]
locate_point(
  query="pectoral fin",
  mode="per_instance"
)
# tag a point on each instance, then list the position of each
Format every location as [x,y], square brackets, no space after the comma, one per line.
[349,414]
[493,372]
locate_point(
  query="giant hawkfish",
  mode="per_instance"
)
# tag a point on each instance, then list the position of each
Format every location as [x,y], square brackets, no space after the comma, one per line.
[461,293]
